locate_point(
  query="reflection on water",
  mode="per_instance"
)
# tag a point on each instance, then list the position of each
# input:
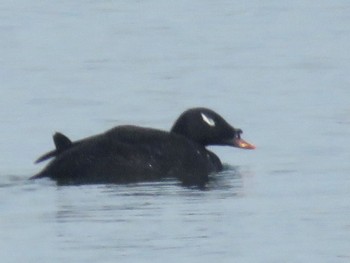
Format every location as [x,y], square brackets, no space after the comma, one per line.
[131,219]
[145,198]
[135,219]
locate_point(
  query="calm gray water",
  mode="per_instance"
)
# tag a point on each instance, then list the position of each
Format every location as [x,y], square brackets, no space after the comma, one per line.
[277,69]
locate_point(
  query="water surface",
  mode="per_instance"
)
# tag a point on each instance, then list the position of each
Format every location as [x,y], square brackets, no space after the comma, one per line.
[278,70]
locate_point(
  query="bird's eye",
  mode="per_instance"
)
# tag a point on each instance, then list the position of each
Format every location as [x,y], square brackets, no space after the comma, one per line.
[238,133]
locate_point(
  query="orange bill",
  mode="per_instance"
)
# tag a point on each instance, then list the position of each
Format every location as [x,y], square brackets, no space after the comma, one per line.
[240,143]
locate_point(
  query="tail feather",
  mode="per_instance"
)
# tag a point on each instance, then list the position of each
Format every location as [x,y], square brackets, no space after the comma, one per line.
[37,176]
[62,143]
[47,156]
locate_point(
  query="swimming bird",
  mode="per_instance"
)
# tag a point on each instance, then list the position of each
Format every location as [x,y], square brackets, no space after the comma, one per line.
[129,153]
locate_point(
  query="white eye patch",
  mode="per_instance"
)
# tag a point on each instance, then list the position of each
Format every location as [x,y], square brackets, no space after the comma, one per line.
[208,120]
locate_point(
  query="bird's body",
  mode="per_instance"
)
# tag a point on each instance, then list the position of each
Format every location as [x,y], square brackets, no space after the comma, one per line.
[130,153]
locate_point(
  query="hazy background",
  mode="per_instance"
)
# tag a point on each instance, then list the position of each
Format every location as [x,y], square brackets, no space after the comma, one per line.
[279,70]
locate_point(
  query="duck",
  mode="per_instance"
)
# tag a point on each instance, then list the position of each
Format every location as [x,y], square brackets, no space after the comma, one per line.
[128,153]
